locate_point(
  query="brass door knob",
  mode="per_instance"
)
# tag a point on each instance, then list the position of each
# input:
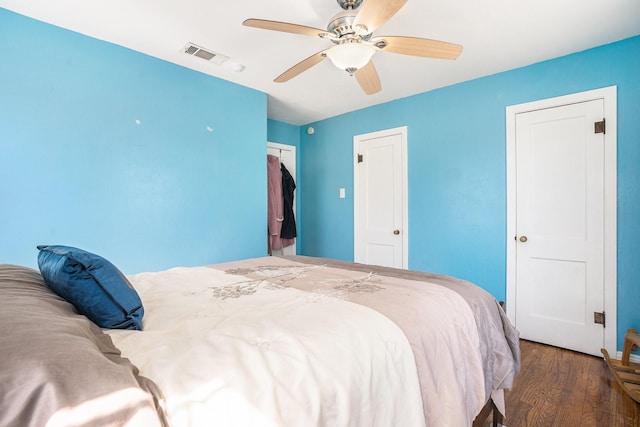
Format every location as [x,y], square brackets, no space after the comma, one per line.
[523,239]
[396,232]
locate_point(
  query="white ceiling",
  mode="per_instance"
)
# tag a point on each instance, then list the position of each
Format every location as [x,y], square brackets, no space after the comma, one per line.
[497,35]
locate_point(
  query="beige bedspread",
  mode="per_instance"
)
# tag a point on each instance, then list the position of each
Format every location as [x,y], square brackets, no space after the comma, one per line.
[461,356]
[499,340]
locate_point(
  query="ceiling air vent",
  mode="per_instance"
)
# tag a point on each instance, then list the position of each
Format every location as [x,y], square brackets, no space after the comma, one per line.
[206,54]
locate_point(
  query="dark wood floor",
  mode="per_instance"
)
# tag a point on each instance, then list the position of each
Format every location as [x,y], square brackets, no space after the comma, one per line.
[558,387]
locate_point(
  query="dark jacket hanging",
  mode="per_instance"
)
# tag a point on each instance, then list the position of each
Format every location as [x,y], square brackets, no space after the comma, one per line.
[288,187]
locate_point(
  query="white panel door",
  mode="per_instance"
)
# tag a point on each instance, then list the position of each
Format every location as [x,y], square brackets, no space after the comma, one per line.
[380,224]
[560,226]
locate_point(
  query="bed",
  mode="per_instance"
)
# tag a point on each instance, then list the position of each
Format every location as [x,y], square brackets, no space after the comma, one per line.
[273,341]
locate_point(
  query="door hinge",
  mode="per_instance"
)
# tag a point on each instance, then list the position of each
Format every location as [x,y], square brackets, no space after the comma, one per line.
[599,318]
[359,158]
[600,127]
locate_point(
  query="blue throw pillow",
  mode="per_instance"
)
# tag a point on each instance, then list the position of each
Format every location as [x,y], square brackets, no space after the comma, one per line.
[93,285]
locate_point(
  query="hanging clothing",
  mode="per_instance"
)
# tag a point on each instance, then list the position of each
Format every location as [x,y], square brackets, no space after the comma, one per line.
[289,222]
[275,203]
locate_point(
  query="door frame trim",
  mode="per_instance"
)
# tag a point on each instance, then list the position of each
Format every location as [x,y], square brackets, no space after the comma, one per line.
[402,130]
[609,97]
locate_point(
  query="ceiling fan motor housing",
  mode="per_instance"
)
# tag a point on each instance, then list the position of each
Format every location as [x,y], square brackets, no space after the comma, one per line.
[341,26]
[349,4]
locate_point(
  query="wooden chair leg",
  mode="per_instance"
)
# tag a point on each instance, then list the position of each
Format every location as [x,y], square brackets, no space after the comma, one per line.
[630,344]
[625,372]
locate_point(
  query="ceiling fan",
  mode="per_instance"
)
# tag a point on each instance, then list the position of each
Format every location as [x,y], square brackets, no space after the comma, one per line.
[351,32]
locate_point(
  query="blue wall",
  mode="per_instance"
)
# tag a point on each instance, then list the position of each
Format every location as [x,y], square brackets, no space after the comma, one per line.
[76,169]
[283,133]
[457,173]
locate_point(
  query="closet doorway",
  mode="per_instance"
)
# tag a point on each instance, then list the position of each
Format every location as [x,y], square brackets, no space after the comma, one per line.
[287,156]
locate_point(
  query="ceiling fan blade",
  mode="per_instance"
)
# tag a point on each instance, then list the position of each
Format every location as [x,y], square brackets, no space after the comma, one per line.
[284,27]
[368,78]
[416,46]
[374,13]
[300,67]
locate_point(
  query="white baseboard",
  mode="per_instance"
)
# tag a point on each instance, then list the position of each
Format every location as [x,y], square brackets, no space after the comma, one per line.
[633,358]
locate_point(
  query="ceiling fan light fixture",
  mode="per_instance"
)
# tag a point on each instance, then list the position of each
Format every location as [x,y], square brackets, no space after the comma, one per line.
[350,56]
